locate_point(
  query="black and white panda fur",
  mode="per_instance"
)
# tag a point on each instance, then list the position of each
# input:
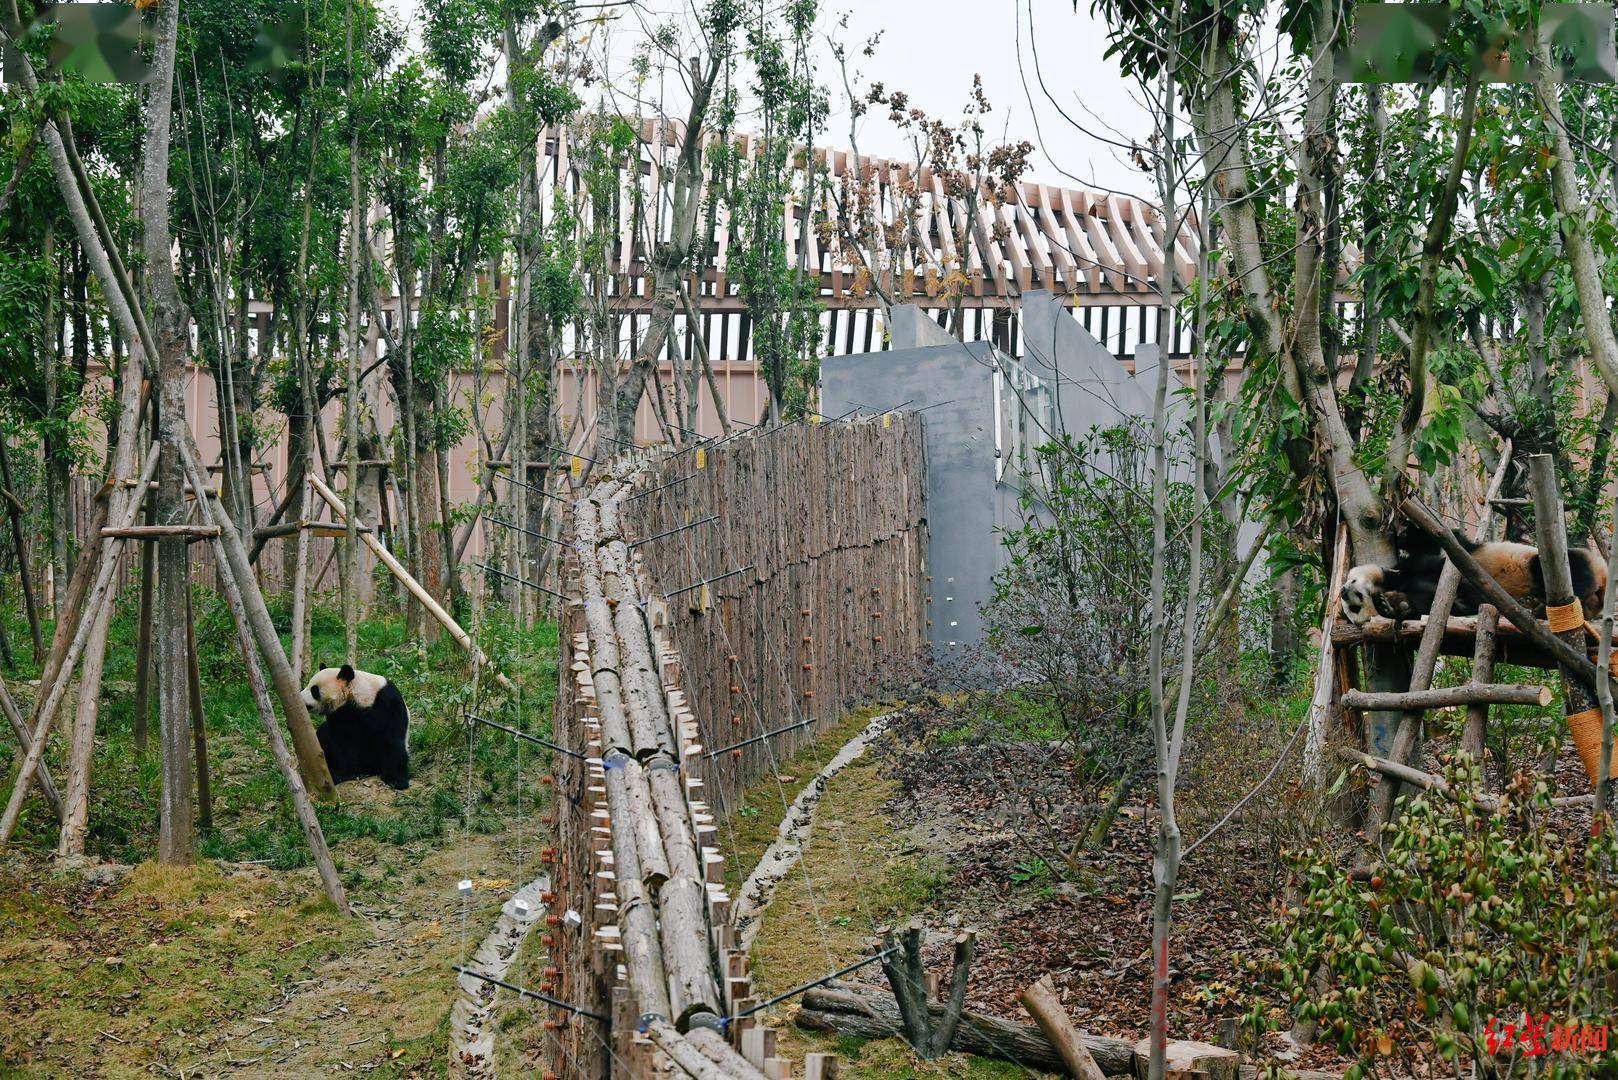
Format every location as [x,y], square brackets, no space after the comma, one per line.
[1405,591]
[367,727]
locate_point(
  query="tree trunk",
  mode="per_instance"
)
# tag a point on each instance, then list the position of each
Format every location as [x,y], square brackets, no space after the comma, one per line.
[199,729]
[20,546]
[351,401]
[669,256]
[176,836]
[1575,219]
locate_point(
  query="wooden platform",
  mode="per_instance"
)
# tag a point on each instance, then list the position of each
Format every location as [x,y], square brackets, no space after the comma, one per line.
[1460,632]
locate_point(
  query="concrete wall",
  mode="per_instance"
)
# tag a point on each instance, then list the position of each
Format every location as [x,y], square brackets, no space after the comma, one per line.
[953,385]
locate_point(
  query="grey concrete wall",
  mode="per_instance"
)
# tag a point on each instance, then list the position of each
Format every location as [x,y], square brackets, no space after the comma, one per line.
[953,384]
[909,327]
[1092,389]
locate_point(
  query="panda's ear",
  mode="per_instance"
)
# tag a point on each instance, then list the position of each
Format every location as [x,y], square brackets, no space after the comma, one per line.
[346,673]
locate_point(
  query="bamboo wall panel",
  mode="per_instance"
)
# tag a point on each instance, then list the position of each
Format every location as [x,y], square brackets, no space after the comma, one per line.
[831,519]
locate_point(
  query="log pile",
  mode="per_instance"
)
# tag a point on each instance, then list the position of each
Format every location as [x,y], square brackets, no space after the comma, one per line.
[640,935]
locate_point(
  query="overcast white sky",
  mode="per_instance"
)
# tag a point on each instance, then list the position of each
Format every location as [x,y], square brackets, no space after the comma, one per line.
[932,48]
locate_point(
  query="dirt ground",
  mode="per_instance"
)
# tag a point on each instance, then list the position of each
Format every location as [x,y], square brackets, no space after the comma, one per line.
[929,854]
[234,969]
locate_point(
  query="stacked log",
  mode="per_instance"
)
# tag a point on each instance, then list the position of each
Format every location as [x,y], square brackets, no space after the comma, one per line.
[828,523]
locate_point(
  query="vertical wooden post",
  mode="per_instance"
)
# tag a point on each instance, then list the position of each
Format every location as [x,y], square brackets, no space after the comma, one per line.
[1550,530]
[199,731]
[143,633]
[1475,737]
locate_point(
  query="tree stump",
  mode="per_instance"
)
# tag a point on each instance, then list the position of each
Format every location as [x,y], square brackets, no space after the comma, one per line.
[930,1037]
[1187,1059]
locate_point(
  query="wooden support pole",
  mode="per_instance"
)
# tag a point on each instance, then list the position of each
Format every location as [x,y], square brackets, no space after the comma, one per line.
[19,544]
[145,670]
[51,699]
[47,785]
[1449,697]
[414,587]
[1415,777]
[1550,529]
[1475,737]
[301,804]
[1045,1007]
[158,532]
[228,546]
[81,750]
[1407,739]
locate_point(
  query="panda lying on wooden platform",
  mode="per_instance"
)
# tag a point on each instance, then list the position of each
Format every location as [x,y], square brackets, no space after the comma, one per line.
[367,726]
[1406,590]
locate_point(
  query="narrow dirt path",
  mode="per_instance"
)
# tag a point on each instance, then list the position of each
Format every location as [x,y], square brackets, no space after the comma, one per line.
[381,1007]
[471,1038]
[793,836]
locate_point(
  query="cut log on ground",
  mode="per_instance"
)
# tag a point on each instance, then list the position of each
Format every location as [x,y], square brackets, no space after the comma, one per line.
[872,1014]
[1188,1059]
[1045,1007]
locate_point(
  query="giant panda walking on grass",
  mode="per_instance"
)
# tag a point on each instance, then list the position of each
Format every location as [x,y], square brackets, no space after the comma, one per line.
[367,727]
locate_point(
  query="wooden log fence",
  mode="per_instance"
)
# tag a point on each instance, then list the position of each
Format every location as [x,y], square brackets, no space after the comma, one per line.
[828,522]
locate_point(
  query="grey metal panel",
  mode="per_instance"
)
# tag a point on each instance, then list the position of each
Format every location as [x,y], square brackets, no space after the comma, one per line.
[953,384]
[1092,389]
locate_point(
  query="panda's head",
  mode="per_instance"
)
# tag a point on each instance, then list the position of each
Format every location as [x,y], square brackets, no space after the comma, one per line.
[1365,592]
[333,687]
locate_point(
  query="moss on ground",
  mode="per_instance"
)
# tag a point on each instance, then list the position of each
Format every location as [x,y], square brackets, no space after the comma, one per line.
[858,874]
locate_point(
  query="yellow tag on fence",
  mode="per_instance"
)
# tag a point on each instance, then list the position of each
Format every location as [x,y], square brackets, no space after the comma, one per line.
[814,418]
[702,457]
[576,466]
[887,419]
[704,600]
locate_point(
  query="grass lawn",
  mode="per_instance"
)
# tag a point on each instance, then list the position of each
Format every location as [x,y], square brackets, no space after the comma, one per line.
[240,964]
